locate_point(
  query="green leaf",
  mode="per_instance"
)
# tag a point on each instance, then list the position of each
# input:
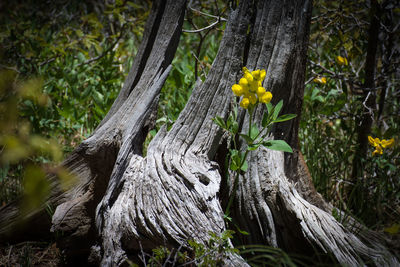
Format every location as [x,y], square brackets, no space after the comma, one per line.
[253,147]
[245,166]
[247,138]
[86,92]
[241,231]
[270,107]
[233,166]
[285,117]
[279,145]
[98,98]
[234,127]
[229,121]
[277,109]
[226,217]
[220,122]
[265,120]
[235,160]
[254,132]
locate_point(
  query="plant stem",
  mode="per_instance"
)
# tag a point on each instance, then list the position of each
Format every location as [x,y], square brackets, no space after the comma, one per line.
[250,120]
[236,182]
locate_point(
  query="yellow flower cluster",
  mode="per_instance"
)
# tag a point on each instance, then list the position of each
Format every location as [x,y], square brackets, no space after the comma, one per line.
[342,60]
[380,144]
[250,87]
[321,80]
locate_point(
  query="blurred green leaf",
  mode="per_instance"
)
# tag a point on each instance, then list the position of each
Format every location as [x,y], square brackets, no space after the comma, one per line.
[279,145]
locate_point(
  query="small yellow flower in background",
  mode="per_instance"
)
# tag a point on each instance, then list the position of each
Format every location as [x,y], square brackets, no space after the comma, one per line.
[321,80]
[378,150]
[342,60]
[380,144]
[387,143]
[250,87]
[374,141]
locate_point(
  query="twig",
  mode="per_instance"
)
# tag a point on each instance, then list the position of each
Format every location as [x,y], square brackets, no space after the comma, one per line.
[9,253]
[209,15]
[309,80]
[9,68]
[323,68]
[48,61]
[365,104]
[203,29]
[143,256]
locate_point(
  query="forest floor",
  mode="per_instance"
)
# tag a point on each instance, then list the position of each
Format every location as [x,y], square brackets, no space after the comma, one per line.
[30,254]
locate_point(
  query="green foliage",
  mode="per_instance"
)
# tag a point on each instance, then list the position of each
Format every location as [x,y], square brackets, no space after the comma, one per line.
[253,139]
[216,250]
[211,253]
[333,109]
[24,154]
[190,55]
[79,55]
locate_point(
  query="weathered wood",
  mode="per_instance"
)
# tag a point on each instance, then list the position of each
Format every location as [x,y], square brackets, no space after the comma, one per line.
[273,195]
[128,127]
[170,195]
[93,160]
[125,202]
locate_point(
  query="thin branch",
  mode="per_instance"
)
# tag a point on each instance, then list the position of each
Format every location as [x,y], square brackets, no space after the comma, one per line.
[209,15]
[325,69]
[203,29]
[48,61]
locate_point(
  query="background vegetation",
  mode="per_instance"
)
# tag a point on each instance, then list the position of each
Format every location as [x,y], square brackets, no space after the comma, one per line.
[62,64]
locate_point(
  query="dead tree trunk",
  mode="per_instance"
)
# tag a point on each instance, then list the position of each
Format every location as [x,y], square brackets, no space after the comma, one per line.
[126,201]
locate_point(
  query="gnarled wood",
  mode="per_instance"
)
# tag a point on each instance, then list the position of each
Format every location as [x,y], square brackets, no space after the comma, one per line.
[269,205]
[93,160]
[170,196]
[125,202]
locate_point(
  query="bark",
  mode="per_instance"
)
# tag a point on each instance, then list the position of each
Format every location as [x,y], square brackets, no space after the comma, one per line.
[93,161]
[126,201]
[276,201]
[369,95]
[170,195]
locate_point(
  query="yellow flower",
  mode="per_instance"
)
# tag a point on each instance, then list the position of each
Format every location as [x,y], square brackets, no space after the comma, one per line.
[321,80]
[260,91]
[263,73]
[374,142]
[342,60]
[387,143]
[256,74]
[379,145]
[266,98]
[245,103]
[378,150]
[248,77]
[243,82]
[253,99]
[250,87]
[237,89]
